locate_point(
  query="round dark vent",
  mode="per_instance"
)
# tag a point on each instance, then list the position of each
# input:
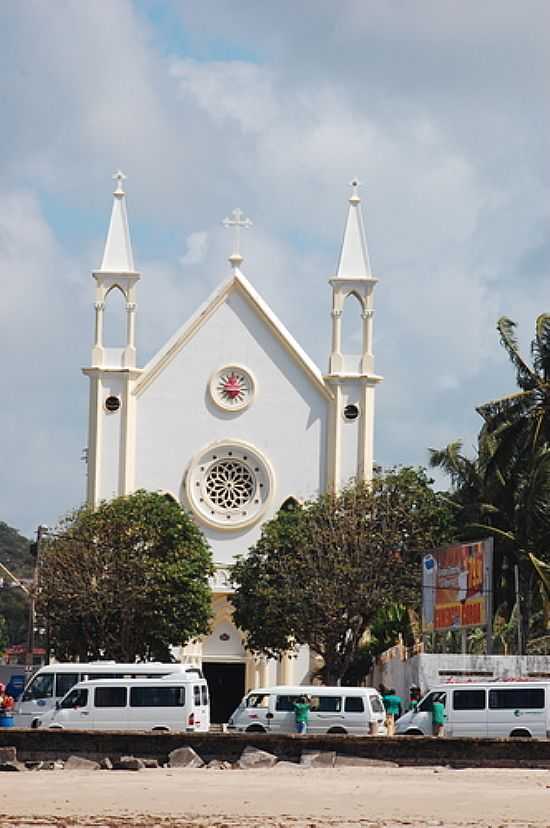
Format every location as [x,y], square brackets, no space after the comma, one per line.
[351,412]
[112,404]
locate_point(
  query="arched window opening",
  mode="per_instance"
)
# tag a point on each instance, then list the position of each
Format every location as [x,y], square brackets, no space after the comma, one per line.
[114,319]
[352,328]
[290,504]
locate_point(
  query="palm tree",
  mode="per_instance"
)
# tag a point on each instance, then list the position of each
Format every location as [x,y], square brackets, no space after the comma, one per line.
[517,425]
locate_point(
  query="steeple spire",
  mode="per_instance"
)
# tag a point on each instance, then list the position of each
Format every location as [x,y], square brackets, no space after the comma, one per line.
[117,256]
[354,257]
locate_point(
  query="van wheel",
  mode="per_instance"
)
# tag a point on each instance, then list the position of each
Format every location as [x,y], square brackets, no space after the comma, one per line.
[336,730]
[414,733]
[255,729]
[161,730]
[520,734]
[34,724]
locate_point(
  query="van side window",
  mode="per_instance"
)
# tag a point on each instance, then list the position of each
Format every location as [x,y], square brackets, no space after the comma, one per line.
[157,696]
[64,682]
[376,704]
[258,700]
[326,704]
[110,697]
[469,700]
[197,695]
[354,704]
[204,692]
[286,703]
[76,698]
[530,698]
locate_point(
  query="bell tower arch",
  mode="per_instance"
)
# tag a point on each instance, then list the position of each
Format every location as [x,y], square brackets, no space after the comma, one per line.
[113,369]
[351,375]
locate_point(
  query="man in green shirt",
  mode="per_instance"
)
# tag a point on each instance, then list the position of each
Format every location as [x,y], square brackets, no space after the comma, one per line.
[392,703]
[438,716]
[301,714]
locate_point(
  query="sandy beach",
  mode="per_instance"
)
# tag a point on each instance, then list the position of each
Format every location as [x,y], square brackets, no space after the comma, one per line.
[283,796]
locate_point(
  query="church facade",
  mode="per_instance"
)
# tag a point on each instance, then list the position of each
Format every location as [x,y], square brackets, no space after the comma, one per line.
[232,419]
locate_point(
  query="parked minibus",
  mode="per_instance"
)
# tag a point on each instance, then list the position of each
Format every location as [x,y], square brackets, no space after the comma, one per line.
[174,703]
[51,683]
[355,710]
[493,708]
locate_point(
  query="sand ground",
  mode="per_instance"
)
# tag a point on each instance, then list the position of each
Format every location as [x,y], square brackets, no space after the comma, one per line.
[293,797]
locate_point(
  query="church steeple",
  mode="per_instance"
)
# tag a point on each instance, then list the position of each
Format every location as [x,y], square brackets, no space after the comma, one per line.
[117,272]
[118,256]
[354,258]
[353,279]
[351,376]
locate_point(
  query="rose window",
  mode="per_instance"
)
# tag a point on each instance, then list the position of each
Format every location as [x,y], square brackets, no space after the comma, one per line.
[232,388]
[229,485]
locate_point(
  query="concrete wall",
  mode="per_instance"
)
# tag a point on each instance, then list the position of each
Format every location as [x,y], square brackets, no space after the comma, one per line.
[36,745]
[429,669]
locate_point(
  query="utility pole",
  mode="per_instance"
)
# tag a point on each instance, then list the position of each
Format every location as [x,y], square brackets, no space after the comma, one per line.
[35,552]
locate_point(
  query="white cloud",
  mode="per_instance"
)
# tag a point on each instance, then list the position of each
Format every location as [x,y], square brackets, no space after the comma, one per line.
[441,109]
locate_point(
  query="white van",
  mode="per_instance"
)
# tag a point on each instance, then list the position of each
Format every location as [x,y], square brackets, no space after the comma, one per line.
[176,703]
[493,709]
[355,710]
[51,683]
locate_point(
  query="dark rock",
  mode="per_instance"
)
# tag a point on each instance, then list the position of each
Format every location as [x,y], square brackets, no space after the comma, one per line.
[12,766]
[219,764]
[150,763]
[184,757]
[252,757]
[79,763]
[131,763]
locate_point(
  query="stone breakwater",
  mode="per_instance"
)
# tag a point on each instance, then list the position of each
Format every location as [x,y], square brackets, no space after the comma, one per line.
[58,746]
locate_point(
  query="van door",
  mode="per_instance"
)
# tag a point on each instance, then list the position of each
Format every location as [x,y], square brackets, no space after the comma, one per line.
[467,712]
[282,718]
[517,708]
[74,711]
[205,708]
[110,710]
[326,714]
[357,715]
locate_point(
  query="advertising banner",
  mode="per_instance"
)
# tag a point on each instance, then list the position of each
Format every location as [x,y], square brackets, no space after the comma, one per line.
[457,586]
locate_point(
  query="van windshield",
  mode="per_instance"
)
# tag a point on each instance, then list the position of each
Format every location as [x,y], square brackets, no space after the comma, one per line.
[41,687]
[258,700]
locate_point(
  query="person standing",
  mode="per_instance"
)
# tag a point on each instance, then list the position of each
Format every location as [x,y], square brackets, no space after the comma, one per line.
[301,714]
[438,716]
[392,703]
[415,695]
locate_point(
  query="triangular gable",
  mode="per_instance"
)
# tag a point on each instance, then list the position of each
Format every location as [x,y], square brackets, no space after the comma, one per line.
[235,282]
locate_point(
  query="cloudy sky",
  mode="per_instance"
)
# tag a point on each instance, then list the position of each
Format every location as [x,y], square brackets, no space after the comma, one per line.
[440,107]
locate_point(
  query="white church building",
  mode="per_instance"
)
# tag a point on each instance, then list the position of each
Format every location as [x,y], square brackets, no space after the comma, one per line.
[232,419]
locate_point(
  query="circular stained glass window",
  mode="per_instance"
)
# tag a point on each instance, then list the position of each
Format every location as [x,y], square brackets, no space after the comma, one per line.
[232,388]
[229,485]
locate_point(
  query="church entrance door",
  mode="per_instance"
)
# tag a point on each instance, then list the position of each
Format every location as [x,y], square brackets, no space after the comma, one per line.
[226,685]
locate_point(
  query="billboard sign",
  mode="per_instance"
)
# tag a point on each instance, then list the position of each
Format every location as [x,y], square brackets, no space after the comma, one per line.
[457,586]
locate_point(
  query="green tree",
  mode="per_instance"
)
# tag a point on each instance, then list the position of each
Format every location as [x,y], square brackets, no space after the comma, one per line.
[125,581]
[14,604]
[321,574]
[505,490]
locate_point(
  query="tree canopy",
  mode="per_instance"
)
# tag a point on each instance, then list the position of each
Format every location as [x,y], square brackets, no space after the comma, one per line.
[125,581]
[505,490]
[321,573]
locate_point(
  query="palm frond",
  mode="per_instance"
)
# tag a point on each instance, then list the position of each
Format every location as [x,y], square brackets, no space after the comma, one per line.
[540,346]
[525,376]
